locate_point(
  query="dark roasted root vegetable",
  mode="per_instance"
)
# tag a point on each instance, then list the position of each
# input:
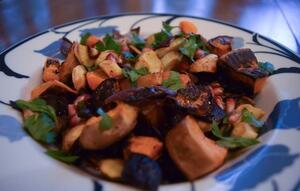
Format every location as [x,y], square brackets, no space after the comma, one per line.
[51,69]
[196,100]
[194,154]
[148,146]
[65,71]
[106,89]
[111,168]
[140,95]
[94,137]
[220,45]
[142,172]
[36,92]
[65,46]
[240,67]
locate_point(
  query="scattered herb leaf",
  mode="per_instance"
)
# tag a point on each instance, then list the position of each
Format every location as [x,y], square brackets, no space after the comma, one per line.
[84,38]
[40,127]
[163,36]
[189,47]
[37,105]
[62,156]
[173,82]
[108,43]
[106,121]
[134,74]
[266,66]
[137,41]
[249,118]
[231,142]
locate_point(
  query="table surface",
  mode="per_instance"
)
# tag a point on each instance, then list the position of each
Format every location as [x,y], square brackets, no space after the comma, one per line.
[277,19]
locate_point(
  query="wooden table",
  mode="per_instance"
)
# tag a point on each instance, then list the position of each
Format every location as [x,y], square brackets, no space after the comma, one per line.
[277,19]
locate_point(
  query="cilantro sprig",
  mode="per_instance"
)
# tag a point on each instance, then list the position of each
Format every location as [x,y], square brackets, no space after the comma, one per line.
[40,125]
[106,121]
[173,82]
[137,41]
[134,74]
[231,142]
[108,43]
[191,44]
[249,118]
[163,36]
[62,156]
[84,38]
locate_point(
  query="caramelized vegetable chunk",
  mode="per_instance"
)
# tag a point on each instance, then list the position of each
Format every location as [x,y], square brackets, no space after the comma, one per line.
[194,154]
[51,70]
[220,45]
[241,66]
[148,146]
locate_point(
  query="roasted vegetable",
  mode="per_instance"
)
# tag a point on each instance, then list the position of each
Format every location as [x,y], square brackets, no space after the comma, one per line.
[171,60]
[174,46]
[111,168]
[148,146]
[51,70]
[187,27]
[78,77]
[123,118]
[65,71]
[220,45]
[82,55]
[149,60]
[111,68]
[240,66]
[206,64]
[142,172]
[194,154]
[95,78]
[72,136]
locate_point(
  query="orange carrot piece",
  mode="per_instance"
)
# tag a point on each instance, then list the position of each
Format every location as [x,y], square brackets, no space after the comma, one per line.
[94,78]
[148,146]
[188,27]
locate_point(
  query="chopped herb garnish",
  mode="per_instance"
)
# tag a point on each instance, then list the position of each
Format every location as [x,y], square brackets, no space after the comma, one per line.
[134,74]
[106,121]
[173,82]
[266,66]
[108,43]
[191,44]
[137,41]
[231,142]
[163,36]
[62,156]
[84,38]
[249,118]
[40,127]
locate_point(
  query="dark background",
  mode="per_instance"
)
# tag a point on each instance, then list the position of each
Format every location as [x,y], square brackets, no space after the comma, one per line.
[277,19]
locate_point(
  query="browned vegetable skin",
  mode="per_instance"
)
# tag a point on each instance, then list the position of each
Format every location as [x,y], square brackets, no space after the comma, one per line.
[65,71]
[51,69]
[124,118]
[220,45]
[194,154]
[149,146]
[241,66]
[37,91]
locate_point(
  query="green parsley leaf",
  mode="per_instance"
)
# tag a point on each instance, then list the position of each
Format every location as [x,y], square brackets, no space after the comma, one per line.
[189,47]
[108,44]
[231,142]
[249,118]
[84,38]
[167,27]
[40,127]
[106,121]
[163,36]
[37,105]
[173,82]
[138,41]
[266,66]
[62,156]
[134,74]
